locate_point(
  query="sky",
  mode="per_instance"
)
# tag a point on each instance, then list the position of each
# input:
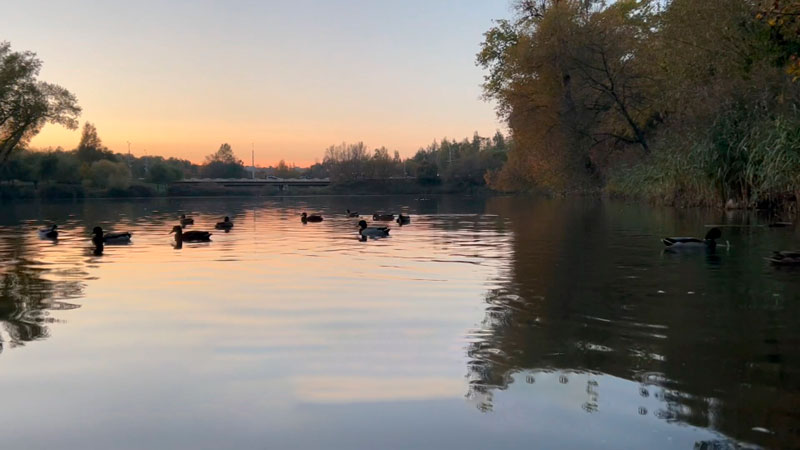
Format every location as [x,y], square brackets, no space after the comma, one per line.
[288,78]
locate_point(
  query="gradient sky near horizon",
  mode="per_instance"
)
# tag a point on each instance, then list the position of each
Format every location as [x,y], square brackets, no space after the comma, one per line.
[178,78]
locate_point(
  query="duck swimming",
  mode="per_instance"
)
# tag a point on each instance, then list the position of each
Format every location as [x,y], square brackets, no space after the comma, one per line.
[785,258]
[679,243]
[186,220]
[49,233]
[351,214]
[383,217]
[312,218]
[226,224]
[190,236]
[99,238]
[403,220]
[365,231]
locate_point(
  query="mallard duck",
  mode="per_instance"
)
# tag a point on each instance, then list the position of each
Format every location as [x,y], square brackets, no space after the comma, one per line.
[710,241]
[785,258]
[186,220]
[190,236]
[383,217]
[99,238]
[351,214]
[312,218]
[365,231]
[403,220]
[49,233]
[226,224]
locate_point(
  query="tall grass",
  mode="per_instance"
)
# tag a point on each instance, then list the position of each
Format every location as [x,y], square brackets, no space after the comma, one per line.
[750,158]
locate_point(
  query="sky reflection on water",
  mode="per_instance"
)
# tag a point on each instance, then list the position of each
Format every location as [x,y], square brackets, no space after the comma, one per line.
[485,323]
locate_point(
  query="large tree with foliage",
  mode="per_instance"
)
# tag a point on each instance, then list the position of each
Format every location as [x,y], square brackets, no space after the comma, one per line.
[223,164]
[703,96]
[571,78]
[27,104]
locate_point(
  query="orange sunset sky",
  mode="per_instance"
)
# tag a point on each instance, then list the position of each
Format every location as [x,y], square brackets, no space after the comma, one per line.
[178,78]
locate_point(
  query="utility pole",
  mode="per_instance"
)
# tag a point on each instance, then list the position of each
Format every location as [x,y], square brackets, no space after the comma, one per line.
[253,156]
[129,154]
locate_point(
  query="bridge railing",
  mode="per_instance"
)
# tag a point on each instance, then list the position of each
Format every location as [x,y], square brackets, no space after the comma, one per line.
[256,181]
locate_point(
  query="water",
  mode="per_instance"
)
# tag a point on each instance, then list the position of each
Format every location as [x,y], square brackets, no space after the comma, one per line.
[485,323]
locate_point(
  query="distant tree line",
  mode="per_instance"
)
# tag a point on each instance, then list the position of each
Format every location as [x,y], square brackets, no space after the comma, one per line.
[466,162]
[27,104]
[92,165]
[682,101]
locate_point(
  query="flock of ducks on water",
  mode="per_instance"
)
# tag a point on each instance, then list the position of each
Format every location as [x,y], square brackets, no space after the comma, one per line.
[101,238]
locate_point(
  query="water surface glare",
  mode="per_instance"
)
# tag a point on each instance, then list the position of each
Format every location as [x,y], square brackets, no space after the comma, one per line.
[485,323]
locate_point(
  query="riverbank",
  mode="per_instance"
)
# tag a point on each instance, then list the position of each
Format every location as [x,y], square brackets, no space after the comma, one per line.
[59,191]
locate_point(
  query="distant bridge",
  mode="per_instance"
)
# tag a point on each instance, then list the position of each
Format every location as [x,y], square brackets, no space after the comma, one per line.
[282,183]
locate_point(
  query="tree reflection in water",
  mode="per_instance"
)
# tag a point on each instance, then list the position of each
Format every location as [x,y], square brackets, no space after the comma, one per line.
[713,339]
[27,297]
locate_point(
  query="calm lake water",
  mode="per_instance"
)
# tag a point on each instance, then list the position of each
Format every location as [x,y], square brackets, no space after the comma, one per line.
[485,323]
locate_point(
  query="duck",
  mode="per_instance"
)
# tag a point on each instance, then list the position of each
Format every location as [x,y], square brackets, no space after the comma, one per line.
[312,218]
[383,217]
[785,258]
[226,224]
[190,236]
[186,220]
[403,220]
[49,233]
[709,242]
[351,213]
[365,231]
[99,237]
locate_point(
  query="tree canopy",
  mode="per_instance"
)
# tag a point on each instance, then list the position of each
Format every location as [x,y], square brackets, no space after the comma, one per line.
[27,104]
[590,89]
[223,164]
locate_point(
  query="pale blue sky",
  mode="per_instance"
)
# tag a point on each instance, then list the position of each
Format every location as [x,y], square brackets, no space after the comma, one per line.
[180,77]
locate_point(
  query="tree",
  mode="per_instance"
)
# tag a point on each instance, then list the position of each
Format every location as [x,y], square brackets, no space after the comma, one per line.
[611,63]
[161,173]
[27,104]
[283,170]
[90,148]
[222,164]
[223,155]
[108,174]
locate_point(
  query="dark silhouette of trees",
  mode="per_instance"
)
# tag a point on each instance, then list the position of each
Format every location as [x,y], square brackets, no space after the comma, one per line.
[222,164]
[26,103]
[90,148]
